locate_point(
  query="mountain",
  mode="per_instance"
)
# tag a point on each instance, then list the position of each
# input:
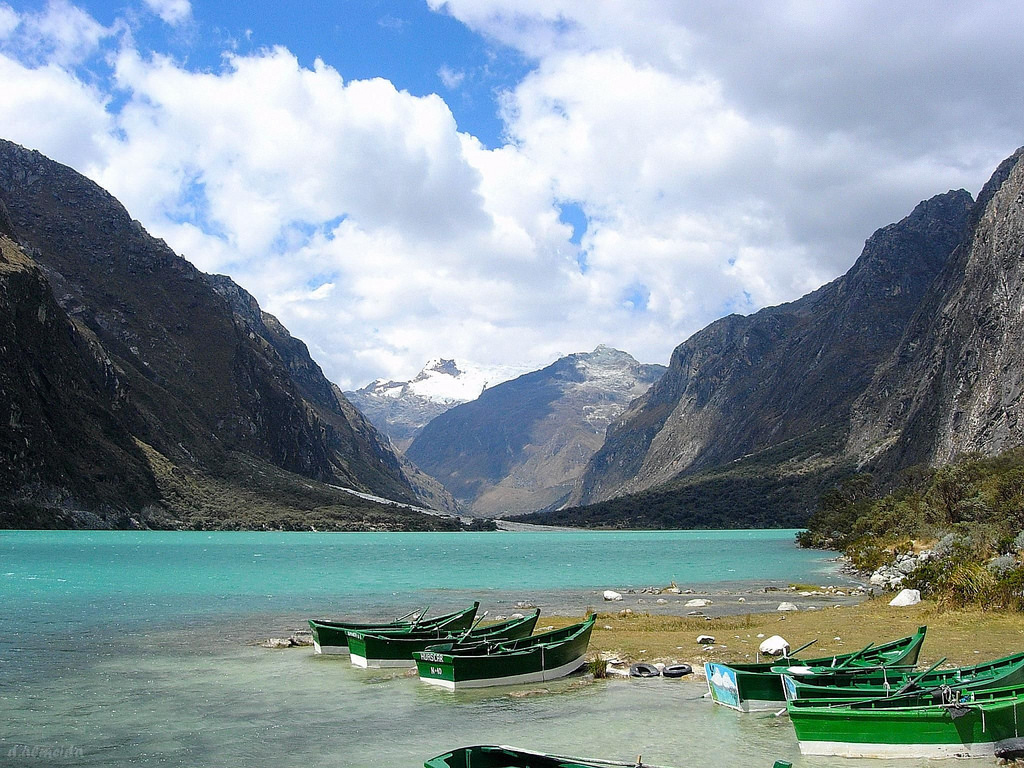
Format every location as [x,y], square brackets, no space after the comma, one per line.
[400,409]
[751,419]
[955,384]
[521,444]
[141,390]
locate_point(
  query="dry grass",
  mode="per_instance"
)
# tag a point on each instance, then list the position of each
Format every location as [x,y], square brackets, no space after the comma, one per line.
[962,636]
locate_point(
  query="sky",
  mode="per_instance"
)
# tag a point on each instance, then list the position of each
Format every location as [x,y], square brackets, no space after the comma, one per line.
[504,182]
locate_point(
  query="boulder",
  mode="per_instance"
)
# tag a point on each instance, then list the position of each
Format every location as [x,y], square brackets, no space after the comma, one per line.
[705,639]
[699,602]
[787,607]
[610,594]
[905,598]
[661,601]
[774,646]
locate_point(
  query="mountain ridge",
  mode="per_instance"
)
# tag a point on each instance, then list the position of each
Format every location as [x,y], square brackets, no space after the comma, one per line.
[211,391]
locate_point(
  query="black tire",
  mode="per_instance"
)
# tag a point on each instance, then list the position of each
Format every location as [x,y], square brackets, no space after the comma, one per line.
[643,670]
[677,670]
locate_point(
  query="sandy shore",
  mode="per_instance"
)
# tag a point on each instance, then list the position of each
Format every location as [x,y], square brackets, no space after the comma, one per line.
[961,637]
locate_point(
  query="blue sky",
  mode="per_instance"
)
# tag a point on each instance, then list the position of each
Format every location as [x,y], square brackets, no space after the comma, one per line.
[506,181]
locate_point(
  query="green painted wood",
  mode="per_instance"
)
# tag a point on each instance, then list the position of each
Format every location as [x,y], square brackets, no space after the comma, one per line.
[540,657]
[331,634]
[757,686]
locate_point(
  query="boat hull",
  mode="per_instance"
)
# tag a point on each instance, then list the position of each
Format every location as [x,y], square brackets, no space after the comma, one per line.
[1000,673]
[330,638]
[540,658]
[370,650]
[984,724]
[755,687]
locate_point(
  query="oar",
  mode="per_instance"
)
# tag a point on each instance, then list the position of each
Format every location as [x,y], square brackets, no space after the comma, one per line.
[791,654]
[470,630]
[420,617]
[857,655]
[904,690]
[911,683]
[401,618]
[456,618]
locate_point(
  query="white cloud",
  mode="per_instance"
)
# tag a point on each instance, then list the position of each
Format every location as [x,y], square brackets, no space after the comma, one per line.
[59,35]
[173,12]
[726,155]
[451,78]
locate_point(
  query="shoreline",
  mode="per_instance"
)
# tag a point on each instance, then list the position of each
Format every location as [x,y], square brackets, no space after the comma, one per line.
[963,637]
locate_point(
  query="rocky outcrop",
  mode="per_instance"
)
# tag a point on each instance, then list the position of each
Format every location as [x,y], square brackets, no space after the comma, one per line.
[955,384]
[522,444]
[784,377]
[187,372]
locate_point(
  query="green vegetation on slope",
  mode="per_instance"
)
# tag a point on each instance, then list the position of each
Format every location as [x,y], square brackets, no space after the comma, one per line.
[969,513]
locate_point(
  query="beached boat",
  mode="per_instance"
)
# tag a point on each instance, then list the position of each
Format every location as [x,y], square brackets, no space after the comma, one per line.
[546,656]
[488,756]
[751,687]
[395,648]
[942,723]
[329,636]
[802,682]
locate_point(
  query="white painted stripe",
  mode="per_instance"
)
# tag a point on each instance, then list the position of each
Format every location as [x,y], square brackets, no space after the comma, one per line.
[848,749]
[528,677]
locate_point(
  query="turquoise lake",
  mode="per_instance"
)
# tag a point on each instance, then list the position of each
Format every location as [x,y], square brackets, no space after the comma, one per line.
[140,648]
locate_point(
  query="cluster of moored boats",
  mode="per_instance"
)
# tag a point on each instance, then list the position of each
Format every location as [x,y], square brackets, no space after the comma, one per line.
[877,703]
[871,703]
[454,651]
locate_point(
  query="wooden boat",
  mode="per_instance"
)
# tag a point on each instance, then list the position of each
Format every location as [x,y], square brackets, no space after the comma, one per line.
[800,682]
[751,687]
[941,723]
[394,648]
[546,656]
[488,756]
[329,636]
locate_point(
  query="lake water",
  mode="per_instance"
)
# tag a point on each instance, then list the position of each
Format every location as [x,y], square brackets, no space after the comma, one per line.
[138,648]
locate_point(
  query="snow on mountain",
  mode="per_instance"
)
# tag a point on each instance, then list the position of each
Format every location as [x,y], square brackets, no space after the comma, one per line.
[401,409]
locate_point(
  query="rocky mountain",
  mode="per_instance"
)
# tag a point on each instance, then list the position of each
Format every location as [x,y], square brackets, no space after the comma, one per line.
[140,389]
[955,384]
[751,419]
[522,444]
[400,409]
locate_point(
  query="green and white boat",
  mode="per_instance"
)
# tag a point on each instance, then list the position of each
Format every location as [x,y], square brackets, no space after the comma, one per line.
[800,682]
[542,657]
[394,648]
[488,756]
[329,636]
[753,687]
[944,723]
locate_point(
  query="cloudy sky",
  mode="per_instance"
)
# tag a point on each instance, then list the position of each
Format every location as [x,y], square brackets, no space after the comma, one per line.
[508,181]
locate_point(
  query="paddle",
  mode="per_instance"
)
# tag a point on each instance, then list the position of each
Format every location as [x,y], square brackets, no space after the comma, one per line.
[791,654]
[857,655]
[402,618]
[904,690]
[468,631]
[911,683]
[420,617]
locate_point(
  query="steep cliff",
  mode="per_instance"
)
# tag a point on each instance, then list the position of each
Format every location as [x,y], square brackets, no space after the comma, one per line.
[207,387]
[774,390]
[955,383]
